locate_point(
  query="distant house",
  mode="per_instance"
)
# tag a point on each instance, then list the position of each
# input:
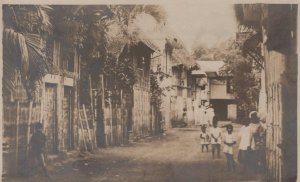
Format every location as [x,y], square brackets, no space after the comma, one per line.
[216,89]
[171,64]
[127,111]
[182,95]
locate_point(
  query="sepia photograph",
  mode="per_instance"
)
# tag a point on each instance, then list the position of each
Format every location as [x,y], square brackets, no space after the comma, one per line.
[162,91]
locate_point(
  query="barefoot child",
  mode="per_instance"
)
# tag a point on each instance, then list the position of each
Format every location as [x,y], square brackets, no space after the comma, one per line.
[216,141]
[229,141]
[204,138]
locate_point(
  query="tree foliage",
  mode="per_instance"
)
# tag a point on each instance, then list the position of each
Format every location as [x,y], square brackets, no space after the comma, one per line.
[156,90]
[25,28]
[245,77]
[88,29]
[199,51]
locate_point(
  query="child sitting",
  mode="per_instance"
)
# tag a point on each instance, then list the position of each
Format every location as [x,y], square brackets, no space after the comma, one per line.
[204,138]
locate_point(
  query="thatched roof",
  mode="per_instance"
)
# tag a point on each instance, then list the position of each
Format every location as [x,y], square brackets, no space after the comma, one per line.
[181,56]
[117,40]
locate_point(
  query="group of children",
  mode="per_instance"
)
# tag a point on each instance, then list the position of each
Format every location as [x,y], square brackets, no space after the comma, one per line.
[215,137]
[251,154]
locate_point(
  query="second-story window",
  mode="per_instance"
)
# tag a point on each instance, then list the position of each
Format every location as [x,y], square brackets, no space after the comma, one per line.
[140,62]
[67,59]
[229,86]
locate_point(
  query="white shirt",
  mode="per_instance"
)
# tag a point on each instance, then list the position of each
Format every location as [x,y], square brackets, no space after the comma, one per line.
[254,130]
[199,115]
[206,138]
[216,132]
[246,137]
[228,138]
[210,115]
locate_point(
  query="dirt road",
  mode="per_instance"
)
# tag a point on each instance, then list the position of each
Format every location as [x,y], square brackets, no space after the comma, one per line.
[174,157]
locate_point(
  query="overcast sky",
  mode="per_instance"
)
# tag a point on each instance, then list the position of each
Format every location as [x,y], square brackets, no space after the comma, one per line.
[201,23]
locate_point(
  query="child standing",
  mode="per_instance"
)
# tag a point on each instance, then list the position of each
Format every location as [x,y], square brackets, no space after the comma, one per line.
[215,133]
[37,150]
[229,141]
[204,138]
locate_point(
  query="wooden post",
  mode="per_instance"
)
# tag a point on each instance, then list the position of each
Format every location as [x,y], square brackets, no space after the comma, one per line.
[17,136]
[122,120]
[103,92]
[103,106]
[111,120]
[28,128]
[87,126]
[82,131]
[92,111]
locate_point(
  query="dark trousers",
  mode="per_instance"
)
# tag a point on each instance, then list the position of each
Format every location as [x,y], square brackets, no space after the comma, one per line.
[37,162]
[244,158]
[215,148]
[230,162]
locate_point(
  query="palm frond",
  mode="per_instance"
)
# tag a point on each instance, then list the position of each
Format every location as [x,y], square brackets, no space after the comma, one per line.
[43,12]
[157,12]
[24,54]
[16,41]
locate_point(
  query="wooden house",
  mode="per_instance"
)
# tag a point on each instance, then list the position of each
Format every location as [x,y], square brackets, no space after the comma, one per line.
[60,99]
[217,90]
[182,95]
[54,104]
[277,25]
[141,55]
[124,112]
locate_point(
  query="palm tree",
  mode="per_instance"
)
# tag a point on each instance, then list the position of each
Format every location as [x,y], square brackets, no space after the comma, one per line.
[125,15]
[25,28]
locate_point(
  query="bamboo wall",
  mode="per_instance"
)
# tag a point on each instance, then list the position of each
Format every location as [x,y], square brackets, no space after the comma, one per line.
[278,25]
[115,125]
[142,125]
[166,109]
[274,133]
[281,116]
[18,123]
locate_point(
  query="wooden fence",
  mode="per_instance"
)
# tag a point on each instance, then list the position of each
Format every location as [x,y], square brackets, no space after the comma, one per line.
[18,123]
